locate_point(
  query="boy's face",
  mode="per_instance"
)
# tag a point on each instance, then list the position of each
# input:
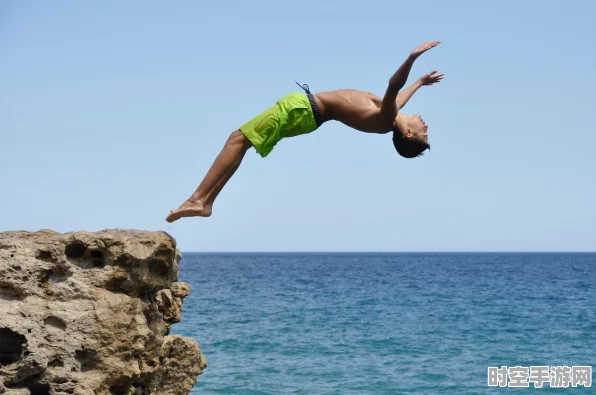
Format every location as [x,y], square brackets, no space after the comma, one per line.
[414,126]
[418,127]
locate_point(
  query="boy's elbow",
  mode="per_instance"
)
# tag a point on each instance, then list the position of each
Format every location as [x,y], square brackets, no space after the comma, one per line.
[395,84]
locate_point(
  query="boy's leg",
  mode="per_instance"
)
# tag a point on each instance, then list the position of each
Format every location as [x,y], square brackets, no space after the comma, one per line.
[210,198]
[224,166]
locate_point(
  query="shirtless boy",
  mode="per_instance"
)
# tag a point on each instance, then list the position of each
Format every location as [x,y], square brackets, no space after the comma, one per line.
[299,113]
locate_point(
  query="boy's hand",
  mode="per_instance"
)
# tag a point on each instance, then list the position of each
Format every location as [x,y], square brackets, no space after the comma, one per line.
[431,78]
[422,48]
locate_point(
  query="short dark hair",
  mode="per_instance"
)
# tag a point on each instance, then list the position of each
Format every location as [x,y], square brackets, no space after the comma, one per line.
[408,147]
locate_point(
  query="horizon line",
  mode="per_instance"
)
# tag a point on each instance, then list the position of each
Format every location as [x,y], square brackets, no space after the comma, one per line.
[392,252]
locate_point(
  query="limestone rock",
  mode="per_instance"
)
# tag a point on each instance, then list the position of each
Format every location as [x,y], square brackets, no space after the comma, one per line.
[89,313]
[182,360]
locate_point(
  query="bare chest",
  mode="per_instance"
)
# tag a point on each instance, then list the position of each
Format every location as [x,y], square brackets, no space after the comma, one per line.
[358,109]
[355,99]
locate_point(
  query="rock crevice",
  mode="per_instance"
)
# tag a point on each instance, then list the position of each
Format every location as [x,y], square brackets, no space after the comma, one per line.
[90,313]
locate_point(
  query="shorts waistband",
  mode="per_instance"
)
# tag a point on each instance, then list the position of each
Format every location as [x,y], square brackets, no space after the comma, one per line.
[315,109]
[313,104]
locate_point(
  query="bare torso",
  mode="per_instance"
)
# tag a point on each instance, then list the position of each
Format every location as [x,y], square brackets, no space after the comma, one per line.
[356,109]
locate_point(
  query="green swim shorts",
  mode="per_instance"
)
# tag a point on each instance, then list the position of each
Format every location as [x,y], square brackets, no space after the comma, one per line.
[291,116]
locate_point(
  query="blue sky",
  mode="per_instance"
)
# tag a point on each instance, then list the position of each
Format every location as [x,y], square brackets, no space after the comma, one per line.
[111,112]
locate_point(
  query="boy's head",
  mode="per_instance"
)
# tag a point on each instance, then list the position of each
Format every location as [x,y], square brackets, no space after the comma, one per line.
[410,137]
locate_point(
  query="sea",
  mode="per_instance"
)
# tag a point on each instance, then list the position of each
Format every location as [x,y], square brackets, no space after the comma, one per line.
[392,323]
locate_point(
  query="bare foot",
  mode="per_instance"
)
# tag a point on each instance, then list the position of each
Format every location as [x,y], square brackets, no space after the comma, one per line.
[189,209]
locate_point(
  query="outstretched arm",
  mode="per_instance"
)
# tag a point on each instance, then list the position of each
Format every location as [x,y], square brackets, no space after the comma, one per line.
[426,79]
[398,80]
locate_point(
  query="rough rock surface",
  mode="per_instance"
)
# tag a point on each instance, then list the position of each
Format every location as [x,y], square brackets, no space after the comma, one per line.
[89,313]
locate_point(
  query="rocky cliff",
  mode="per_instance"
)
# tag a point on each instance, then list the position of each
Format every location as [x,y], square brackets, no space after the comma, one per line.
[89,313]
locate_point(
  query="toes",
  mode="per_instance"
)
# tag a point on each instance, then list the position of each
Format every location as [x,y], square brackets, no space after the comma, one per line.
[170,217]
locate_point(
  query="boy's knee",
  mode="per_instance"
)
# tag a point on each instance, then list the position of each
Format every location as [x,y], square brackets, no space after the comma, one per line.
[237,137]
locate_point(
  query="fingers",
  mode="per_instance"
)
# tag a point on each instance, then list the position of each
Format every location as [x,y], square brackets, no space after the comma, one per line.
[422,48]
[432,74]
[431,78]
[432,44]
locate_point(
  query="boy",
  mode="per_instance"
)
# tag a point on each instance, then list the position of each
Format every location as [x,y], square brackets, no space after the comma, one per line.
[299,113]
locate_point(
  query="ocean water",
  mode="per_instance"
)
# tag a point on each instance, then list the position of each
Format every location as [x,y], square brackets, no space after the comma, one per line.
[386,323]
